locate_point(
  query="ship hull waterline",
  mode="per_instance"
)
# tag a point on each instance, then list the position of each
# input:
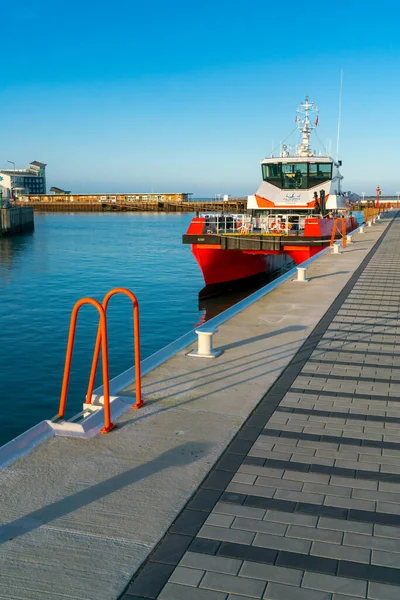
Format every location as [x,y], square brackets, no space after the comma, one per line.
[233,270]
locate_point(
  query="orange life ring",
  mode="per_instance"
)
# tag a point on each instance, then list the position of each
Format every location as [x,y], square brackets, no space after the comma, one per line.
[277,226]
[238,225]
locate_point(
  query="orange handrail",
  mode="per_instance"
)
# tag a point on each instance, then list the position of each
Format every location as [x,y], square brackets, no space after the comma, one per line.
[68,359]
[343,221]
[136,336]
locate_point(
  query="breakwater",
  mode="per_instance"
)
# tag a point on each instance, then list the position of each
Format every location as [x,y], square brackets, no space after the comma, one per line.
[16,220]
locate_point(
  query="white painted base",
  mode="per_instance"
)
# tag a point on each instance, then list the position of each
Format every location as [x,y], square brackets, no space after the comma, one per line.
[196,354]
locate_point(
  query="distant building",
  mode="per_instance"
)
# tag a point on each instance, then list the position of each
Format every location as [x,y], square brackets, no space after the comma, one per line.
[21,182]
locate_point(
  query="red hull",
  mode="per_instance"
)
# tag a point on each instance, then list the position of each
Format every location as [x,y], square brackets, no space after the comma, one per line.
[221,267]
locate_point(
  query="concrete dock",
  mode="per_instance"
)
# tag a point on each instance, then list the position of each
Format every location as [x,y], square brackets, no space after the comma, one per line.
[14,221]
[270,472]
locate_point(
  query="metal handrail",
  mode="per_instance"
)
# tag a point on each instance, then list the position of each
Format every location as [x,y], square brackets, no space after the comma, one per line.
[335,225]
[102,332]
[136,336]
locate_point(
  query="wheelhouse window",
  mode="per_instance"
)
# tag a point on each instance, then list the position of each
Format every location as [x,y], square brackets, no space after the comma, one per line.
[296,176]
[273,174]
[318,173]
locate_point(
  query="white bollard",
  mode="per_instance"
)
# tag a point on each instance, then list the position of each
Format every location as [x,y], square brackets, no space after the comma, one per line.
[369,223]
[349,239]
[362,229]
[378,217]
[204,345]
[301,275]
[336,249]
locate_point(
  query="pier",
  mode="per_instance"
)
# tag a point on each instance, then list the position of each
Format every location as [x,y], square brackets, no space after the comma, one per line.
[271,471]
[167,202]
[237,206]
[14,221]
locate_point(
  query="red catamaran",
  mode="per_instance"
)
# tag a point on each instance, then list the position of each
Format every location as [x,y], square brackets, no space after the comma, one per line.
[289,218]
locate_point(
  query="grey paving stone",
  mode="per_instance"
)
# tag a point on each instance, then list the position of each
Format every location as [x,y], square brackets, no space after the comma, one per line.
[374,495]
[304,452]
[387,486]
[381,591]
[271,573]
[314,534]
[226,508]
[349,503]
[354,464]
[318,445]
[226,535]
[291,518]
[265,540]
[330,583]
[341,597]
[269,454]
[244,478]
[387,531]
[346,454]
[363,484]
[388,507]
[306,477]
[283,484]
[207,562]
[372,542]
[234,585]
[254,490]
[262,471]
[332,490]
[236,597]
[314,460]
[219,520]
[299,496]
[342,525]
[186,576]
[277,591]
[341,552]
[174,591]
[386,559]
[259,526]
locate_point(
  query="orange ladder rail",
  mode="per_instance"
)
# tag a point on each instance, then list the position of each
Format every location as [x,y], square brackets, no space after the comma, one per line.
[335,226]
[136,336]
[108,426]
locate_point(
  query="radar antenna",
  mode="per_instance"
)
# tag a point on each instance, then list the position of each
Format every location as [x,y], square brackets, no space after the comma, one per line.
[305,126]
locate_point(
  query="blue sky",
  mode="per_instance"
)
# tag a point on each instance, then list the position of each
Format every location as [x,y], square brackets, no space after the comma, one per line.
[182,96]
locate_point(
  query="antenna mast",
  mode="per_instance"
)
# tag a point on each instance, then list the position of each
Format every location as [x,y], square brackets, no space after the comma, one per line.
[340,115]
[305,126]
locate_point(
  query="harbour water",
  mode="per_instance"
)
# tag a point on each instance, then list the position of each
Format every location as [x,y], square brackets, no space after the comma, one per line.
[73,255]
[69,256]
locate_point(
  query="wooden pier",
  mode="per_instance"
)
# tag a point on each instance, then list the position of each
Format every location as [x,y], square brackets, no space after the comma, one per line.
[14,221]
[236,206]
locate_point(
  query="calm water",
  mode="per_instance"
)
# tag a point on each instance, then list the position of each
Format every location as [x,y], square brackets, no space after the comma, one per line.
[70,256]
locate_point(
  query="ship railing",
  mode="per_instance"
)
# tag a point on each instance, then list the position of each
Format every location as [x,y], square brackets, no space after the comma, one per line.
[226,223]
[272,224]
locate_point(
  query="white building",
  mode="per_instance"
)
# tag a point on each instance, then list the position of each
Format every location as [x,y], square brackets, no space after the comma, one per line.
[19,182]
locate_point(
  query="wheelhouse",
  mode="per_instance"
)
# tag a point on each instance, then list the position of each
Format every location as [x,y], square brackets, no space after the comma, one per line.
[296,175]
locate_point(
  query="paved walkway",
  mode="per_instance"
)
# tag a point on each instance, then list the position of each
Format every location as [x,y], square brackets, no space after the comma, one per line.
[305,503]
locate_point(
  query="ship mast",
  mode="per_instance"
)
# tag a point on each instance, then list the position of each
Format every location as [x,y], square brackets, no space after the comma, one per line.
[305,126]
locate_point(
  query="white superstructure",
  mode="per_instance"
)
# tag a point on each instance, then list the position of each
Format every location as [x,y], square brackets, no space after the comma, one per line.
[301,179]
